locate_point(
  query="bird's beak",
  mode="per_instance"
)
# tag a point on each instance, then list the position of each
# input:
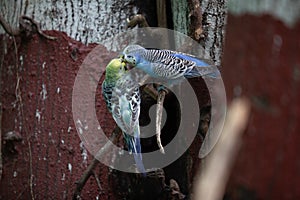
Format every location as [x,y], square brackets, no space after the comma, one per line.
[122,58]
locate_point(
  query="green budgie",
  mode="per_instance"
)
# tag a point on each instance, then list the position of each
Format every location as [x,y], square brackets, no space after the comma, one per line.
[122,98]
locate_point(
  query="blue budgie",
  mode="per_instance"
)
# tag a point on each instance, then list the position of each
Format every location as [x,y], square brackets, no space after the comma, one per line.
[167,64]
[122,98]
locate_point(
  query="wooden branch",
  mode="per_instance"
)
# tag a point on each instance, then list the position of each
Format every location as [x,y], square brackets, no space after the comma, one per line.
[211,180]
[37,26]
[24,27]
[139,20]
[159,97]
[7,28]
[98,181]
[151,91]
[89,170]
[159,110]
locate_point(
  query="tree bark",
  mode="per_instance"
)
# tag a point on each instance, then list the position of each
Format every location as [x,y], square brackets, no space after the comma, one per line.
[85,21]
[214,21]
[213,24]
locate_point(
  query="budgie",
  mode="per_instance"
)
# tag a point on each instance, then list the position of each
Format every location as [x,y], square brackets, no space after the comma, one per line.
[122,99]
[167,64]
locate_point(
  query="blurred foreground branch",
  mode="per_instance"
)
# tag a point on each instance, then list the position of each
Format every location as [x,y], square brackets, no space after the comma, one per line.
[211,180]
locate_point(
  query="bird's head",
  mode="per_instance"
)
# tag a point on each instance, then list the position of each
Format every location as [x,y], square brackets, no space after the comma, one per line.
[131,54]
[115,69]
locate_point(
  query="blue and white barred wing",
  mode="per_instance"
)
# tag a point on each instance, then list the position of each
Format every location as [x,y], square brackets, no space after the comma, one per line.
[200,68]
[172,64]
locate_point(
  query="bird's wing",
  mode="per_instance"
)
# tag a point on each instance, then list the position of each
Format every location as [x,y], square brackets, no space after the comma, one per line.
[172,67]
[176,64]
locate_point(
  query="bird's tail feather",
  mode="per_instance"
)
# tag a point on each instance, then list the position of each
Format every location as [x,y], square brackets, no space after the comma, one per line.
[134,146]
[202,68]
[210,71]
[198,61]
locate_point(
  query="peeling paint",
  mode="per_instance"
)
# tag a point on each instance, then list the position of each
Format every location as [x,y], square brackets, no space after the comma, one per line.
[38,115]
[79,126]
[43,92]
[21,60]
[43,65]
[86,127]
[83,153]
[70,167]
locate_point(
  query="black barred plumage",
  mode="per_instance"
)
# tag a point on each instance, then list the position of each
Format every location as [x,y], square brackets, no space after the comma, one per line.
[107,94]
[168,64]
